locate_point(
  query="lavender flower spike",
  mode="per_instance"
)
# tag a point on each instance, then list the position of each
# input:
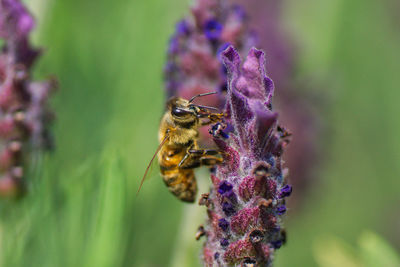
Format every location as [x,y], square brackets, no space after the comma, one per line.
[247,200]
[24,115]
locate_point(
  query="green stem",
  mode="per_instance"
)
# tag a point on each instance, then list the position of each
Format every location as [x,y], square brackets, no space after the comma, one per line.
[187,249]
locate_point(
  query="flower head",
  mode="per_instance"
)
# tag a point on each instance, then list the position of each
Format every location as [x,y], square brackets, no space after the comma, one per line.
[24,115]
[249,190]
[15,20]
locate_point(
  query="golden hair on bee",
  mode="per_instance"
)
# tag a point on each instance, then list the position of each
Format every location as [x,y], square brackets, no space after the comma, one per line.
[178,151]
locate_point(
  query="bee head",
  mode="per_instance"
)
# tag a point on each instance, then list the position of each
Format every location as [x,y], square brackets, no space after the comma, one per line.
[182,110]
[185,112]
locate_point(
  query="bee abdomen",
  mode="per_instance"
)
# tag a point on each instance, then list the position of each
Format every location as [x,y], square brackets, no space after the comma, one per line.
[181,183]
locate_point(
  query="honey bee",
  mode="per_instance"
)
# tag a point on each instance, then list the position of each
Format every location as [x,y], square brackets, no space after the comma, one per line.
[178,151]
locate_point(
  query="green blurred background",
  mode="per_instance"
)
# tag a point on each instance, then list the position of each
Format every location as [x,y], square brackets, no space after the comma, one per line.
[109,55]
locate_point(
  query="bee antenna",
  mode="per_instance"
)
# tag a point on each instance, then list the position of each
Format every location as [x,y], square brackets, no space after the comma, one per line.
[207,107]
[199,95]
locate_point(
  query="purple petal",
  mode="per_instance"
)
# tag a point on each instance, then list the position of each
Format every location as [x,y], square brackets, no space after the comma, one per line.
[269,88]
[223,224]
[281,209]
[241,114]
[231,59]
[286,191]
[254,73]
[213,29]
[224,187]
[15,20]
[265,121]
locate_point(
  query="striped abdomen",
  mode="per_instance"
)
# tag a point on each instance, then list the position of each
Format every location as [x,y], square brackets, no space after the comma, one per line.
[180,182]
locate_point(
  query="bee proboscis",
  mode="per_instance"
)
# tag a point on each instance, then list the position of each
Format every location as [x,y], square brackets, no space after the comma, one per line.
[178,151]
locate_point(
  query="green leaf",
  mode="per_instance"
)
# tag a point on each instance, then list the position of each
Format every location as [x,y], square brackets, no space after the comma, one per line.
[375,251]
[332,252]
[107,238]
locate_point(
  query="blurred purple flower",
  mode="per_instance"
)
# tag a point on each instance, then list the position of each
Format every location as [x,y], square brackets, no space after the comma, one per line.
[24,115]
[247,199]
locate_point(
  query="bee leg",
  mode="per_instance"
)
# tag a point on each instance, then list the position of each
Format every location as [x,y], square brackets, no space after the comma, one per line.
[183,160]
[202,152]
[207,157]
[191,163]
[196,162]
[215,117]
[200,157]
[210,160]
[212,118]
[199,153]
[187,155]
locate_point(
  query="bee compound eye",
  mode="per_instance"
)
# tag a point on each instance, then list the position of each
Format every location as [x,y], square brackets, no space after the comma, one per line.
[178,112]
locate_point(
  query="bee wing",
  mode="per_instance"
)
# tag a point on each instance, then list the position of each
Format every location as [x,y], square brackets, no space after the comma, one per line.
[151,161]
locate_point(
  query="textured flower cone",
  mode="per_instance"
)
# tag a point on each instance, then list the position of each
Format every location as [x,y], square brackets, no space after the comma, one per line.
[24,115]
[248,194]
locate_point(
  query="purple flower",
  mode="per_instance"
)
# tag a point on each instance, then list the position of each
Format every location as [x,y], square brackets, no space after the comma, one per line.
[223,224]
[281,209]
[286,191]
[24,115]
[15,21]
[252,170]
[224,187]
[182,28]
[228,208]
[276,244]
[213,29]
[224,242]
